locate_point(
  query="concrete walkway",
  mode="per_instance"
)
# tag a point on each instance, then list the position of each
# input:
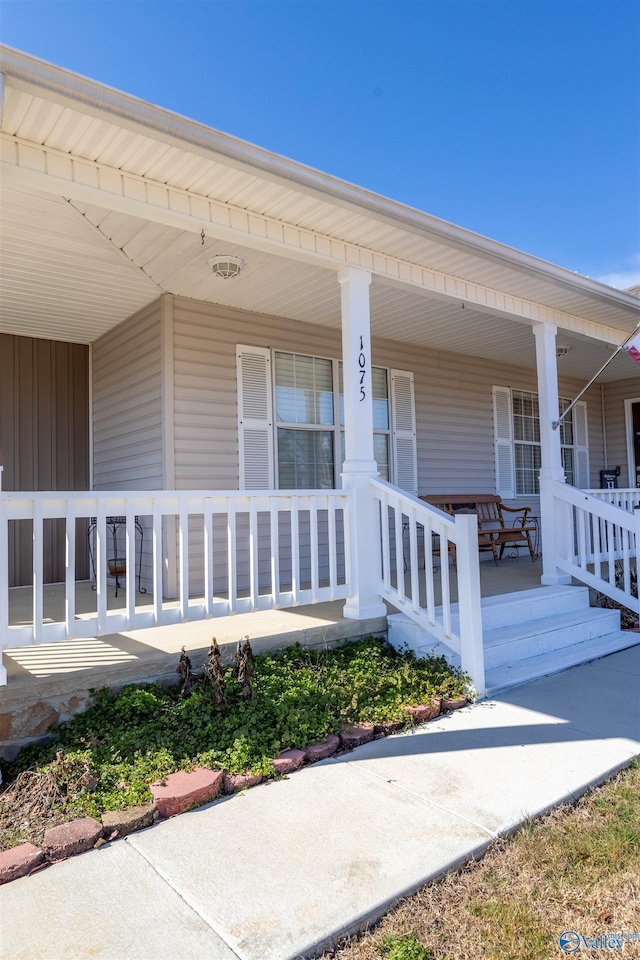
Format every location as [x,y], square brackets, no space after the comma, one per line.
[278,871]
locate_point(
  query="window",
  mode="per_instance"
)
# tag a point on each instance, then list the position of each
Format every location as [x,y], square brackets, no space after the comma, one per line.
[301,444]
[517,442]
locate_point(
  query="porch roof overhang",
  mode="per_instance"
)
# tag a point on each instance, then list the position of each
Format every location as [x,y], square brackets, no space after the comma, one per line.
[104,198]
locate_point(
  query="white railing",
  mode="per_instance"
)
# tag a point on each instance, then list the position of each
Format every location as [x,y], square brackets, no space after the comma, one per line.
[410,579]
[601,542]
[234,553]
[626,498]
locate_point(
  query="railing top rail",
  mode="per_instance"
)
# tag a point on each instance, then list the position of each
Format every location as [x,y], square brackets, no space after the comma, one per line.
[601,508]
[168,494]
[426,509]
[606,491]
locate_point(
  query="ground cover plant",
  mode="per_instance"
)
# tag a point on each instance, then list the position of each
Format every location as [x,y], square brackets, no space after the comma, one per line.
[106,757]
[576,869]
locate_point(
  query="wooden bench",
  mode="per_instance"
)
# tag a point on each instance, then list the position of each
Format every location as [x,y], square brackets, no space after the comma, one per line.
[494,532]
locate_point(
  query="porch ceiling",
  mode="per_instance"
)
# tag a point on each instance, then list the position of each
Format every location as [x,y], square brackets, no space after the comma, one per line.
[79,255]
[72,271]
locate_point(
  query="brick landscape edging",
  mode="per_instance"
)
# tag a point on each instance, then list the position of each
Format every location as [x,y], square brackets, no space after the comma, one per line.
[182,791]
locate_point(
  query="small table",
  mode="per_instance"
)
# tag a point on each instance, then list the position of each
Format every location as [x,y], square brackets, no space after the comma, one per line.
[116,565]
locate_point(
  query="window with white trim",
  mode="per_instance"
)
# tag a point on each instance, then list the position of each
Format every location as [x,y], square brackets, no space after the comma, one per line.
[517,442]
[305,433]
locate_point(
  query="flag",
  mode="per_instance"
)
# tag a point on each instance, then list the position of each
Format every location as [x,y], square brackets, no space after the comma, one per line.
[633,348]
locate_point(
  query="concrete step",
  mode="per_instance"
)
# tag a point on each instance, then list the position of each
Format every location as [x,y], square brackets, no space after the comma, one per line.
[520,641]
[528,634]
[505,610]
[508,609]
[514,674]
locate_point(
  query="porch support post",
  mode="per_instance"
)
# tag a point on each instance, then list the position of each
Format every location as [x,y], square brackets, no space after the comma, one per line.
[553,517]
[364,600]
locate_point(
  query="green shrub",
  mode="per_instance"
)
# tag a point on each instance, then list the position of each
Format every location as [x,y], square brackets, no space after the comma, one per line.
[129,739]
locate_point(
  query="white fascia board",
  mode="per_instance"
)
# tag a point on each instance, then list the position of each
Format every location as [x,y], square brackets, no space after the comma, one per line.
[41,78]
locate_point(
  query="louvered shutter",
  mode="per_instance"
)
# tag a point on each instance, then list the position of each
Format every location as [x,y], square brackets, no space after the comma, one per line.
[403,420]
[581,440]
[255,418]
[503,443]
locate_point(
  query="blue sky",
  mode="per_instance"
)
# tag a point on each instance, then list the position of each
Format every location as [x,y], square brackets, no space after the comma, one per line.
[519,119]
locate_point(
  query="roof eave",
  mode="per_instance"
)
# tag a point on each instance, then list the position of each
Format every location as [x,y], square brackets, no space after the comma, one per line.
[38,77]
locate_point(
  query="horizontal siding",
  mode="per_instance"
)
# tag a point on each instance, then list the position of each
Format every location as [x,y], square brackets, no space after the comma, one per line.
[453,398]
[127,405]
[615,394]
[127,416]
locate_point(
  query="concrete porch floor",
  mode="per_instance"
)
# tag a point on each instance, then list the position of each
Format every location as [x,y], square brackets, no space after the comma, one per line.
[150,654]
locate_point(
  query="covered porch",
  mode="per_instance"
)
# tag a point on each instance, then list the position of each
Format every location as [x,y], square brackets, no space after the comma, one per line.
[278,365]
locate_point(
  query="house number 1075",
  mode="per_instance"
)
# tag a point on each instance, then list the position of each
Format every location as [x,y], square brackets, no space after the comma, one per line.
[362,369]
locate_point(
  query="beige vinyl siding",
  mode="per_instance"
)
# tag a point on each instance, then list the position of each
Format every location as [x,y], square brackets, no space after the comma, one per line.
[127,415]
[614,396]
[127,405]
[452,392]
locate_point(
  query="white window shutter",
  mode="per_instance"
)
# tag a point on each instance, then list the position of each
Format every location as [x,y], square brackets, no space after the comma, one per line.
[503,443]
[403,421]
[581,441]
[255,418]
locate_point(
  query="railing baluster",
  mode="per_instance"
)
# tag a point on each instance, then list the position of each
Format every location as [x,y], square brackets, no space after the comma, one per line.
[386,547]
[626,566]
[183,560]
[101,565]
[611,551]
[232,576]
[445,584]
[253,555]
[597,547]
[157,562]
[333,559]
[274,537]
[313,529]
[208,556]
[38,570]
[130,563]
[70,569]
[428,570]
[413,554]
[399,550]
[295,551]
[582,539]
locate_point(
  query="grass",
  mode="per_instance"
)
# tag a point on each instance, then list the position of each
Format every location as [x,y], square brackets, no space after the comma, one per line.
[576,869]
[106,757]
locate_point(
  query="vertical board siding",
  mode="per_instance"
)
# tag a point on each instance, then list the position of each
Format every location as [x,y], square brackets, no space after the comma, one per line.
[44,441]
[614,396]
[127,414]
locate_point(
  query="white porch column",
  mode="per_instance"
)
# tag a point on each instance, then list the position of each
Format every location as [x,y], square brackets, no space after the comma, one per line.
[555,528]
[360,465]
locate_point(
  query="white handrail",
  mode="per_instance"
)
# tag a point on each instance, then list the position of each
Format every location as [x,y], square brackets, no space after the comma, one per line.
[624,497]
[602,541]
[404,517]
[236,551]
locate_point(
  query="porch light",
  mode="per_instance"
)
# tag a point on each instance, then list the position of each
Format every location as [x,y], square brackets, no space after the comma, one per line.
[226,267]
[561,351]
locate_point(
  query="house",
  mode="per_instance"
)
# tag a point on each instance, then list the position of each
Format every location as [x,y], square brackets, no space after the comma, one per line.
[225,378]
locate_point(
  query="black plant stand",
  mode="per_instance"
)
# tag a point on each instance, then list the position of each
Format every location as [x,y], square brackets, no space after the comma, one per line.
[116,564]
